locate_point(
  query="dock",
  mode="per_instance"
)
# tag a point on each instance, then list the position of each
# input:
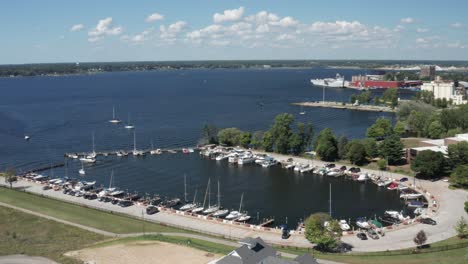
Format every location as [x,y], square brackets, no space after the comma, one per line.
[48,167]
[267,222]
[128,152]
[343,105]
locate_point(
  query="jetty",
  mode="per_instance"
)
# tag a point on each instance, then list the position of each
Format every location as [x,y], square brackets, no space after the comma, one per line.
[343,105]
[45,168]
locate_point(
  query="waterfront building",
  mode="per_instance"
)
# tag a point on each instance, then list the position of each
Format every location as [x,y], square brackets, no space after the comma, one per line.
[436,145]
[377,81]
[448,90]
[428,71]
[256,251]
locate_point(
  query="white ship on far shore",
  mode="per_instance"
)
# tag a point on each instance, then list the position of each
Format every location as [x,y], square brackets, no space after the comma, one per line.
[337,82]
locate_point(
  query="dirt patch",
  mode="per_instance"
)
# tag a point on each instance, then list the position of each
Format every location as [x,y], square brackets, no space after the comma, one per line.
[143,252]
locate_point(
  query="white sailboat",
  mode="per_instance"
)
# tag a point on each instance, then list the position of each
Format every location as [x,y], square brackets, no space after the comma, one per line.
[201,208]
[236,214]
[135,151]
[129,125]
[82,170]
[220,212]
[302,112]
[110,190]
[91,158]
[211,208]
[114,120]
[188,206]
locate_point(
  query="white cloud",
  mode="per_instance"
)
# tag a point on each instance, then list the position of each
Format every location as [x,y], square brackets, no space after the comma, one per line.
[286,37]
[422,41]
[154,17]
[457,45]
[407,20]
[102,29]
[422,30]
[457,25]
[77,27]
[287,22]
[229,15]
[338,27]
[171,32]
[262,17]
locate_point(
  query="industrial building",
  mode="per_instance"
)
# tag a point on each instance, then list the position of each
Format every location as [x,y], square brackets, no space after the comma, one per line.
[446,89]
[436,145]
[428,71]
[378,82]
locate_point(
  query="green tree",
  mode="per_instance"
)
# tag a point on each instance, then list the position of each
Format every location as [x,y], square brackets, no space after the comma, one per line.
[209,134]
[245,139]
[380,129]
[257,139]
[281,132]
[10,176]
[462,228]
[417,123]
[229,136]
[267,142]
[382,163]
[429,164]
[372,149]
[316,233]
[356,153]
[459,176]
[399,128]
[326,145]
[295,144]
[435,129]
[458,154]
[392,149]
[391,96]
[342,147]
[420,238]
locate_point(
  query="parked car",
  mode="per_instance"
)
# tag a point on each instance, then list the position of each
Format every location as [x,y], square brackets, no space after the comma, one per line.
[125,203]
[151,210]
[362,236]
[404,179]
[428,221]
[372,234]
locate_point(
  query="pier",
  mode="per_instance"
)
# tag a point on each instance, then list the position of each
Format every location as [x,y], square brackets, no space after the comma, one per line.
[48,167]
[343,105]
[127,152]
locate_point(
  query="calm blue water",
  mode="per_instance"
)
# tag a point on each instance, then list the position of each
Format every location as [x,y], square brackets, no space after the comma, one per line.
[169,108]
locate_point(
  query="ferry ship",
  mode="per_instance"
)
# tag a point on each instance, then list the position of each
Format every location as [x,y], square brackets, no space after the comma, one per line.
[337,82]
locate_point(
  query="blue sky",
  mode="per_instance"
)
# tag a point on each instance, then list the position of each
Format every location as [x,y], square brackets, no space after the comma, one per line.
[117,30]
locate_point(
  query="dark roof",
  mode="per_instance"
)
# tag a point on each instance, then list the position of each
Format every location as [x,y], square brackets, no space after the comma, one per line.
[229,260]
[306,259]
[276,260]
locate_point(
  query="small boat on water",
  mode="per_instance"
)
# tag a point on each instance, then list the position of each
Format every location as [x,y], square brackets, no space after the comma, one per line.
[185,151]
[415,204]
[82,171]
[344,225]
[232,158]
[221,157]
[289,166]
[171,203]
[392,186]
[268,163]
[383,183]
[363,177]
[129,125]
[409,196]
[114,120]
[27,137]
[156,152]
[396,215]
[245,159]
[91,158]
[362,223]
[243,218]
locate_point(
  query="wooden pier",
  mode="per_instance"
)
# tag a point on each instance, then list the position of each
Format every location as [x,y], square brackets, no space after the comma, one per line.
[267,222]
[128,152]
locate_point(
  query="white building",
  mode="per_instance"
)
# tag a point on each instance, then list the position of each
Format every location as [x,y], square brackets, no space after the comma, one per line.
[445,90]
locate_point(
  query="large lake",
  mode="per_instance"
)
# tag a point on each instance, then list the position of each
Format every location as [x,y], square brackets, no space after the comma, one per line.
[169,108]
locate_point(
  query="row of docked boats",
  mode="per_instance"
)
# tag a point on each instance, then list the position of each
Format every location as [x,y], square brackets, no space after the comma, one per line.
[238,156]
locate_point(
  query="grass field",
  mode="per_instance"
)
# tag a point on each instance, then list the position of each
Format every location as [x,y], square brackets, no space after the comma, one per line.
[86,216]
[21,233]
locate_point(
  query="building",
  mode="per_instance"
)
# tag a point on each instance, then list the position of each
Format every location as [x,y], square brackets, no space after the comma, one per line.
[378,82]
[436,145]
[447,90]
[256,251]
[428,71]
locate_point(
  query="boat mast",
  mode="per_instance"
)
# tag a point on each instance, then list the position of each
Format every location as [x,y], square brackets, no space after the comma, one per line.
[185,188]
[195,196]
[323,98]
[219,196]
[206,192]
[113,113]
[112,178]
[240,205]
[134,141]
[330,205]
[94,151]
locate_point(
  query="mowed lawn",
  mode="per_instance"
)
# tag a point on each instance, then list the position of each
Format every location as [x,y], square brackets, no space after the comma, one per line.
[81,215]
[22,233]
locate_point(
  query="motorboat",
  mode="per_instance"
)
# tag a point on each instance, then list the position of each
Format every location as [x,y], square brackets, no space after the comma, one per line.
[409,196]
[233,158]
[392,186]
[289,166]
[243,218]
[221,157]
[415,204]
[73,156]
[344,225]
[334,173]
[27,137]
[306,168]
[172,202]
[396,215]
[248,158]
[363,177]
[156,152]
[268,163]
[402,187]
[185,151]
[233,215]
[362,223]
[114,120]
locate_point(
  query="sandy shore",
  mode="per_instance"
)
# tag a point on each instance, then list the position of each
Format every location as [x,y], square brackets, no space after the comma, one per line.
[143,252]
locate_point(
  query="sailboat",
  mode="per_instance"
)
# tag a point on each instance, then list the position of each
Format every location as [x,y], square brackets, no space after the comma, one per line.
[211,208]
[220,212]
[191,205]
[82,171]
[302,112]
[236,214]
[114,120]
[135,151]
[91,158]
[129,125]
[154,151]
[201,208]
[111,190]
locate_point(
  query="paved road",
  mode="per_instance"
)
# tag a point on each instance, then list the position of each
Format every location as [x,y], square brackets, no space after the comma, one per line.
[21,259]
